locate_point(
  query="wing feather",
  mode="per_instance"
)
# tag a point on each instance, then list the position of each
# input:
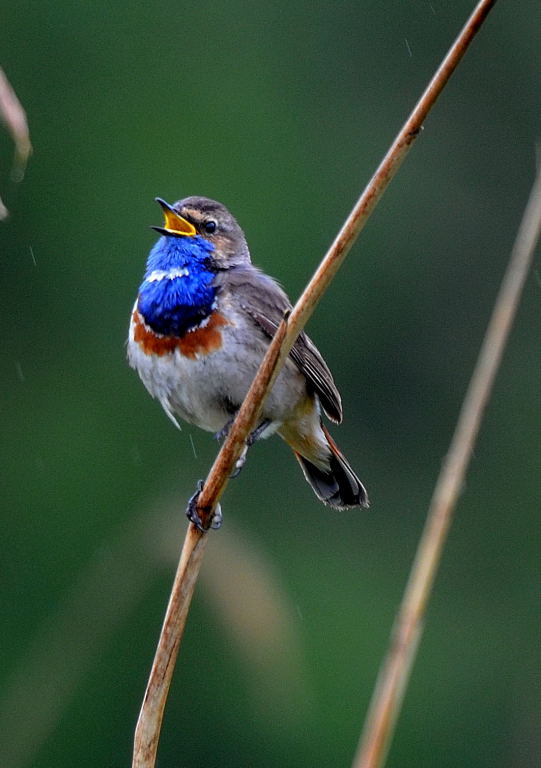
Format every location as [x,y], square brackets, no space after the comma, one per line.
[265,302]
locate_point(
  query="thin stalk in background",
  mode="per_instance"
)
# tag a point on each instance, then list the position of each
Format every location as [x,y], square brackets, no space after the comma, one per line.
[13,116]
[148,727]
[395,670]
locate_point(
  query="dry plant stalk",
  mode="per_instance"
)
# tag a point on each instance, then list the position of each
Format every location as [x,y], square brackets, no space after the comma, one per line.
[394,673]
[149,723]
[13,116]
[147,732]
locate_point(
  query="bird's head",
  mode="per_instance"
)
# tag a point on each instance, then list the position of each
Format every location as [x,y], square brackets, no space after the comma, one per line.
[199,217]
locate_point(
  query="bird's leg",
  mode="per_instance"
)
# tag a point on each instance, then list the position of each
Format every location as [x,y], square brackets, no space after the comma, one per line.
[193,515]
[250,440]
[254,436]
[191,510]
[221,435]
[224,431]
[240,462]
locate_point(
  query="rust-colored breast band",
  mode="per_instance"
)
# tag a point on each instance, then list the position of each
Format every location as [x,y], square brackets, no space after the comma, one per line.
[199,341]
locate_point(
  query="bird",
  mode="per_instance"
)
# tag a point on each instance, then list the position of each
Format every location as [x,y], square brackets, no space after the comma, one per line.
[200,326]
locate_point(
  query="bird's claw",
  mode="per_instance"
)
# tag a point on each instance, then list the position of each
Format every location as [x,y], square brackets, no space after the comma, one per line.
[257,432]
[252,437]
[240,462]
[193,515]
[224,431]
[250,440]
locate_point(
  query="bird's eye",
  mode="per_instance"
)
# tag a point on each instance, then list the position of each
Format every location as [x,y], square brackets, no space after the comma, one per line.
[210,226]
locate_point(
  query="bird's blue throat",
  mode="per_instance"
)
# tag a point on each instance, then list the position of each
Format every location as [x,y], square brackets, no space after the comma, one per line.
[177,293]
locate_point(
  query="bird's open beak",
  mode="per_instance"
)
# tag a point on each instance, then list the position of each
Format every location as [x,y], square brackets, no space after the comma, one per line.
[174,223]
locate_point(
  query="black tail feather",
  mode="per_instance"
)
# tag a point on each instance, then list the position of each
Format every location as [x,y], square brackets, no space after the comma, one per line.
[339,486]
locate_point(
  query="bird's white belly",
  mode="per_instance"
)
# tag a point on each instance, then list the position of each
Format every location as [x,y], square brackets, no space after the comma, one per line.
[182,385]
[205,389]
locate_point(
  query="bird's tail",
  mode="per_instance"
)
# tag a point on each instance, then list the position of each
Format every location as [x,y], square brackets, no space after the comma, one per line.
[338,486]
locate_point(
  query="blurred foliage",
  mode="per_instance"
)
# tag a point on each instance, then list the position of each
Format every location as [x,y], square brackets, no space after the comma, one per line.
[282,112]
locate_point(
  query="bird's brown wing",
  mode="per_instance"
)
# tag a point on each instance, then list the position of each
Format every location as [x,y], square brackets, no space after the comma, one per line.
[265,302]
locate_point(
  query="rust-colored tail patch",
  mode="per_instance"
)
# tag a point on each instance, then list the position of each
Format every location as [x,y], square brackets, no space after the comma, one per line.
[337,485]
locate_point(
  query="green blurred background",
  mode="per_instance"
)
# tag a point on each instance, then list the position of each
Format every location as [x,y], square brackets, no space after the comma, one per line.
[282,111]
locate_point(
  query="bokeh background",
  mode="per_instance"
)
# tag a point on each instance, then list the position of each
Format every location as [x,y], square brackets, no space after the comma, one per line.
[282,111]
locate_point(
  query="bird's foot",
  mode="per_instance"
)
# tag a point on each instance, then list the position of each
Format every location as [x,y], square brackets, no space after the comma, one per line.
[224,431]
[254,436]
[240,462]
[193,515]
[250,440]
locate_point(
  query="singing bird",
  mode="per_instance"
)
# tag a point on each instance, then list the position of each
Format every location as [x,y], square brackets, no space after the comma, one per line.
[202,321]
